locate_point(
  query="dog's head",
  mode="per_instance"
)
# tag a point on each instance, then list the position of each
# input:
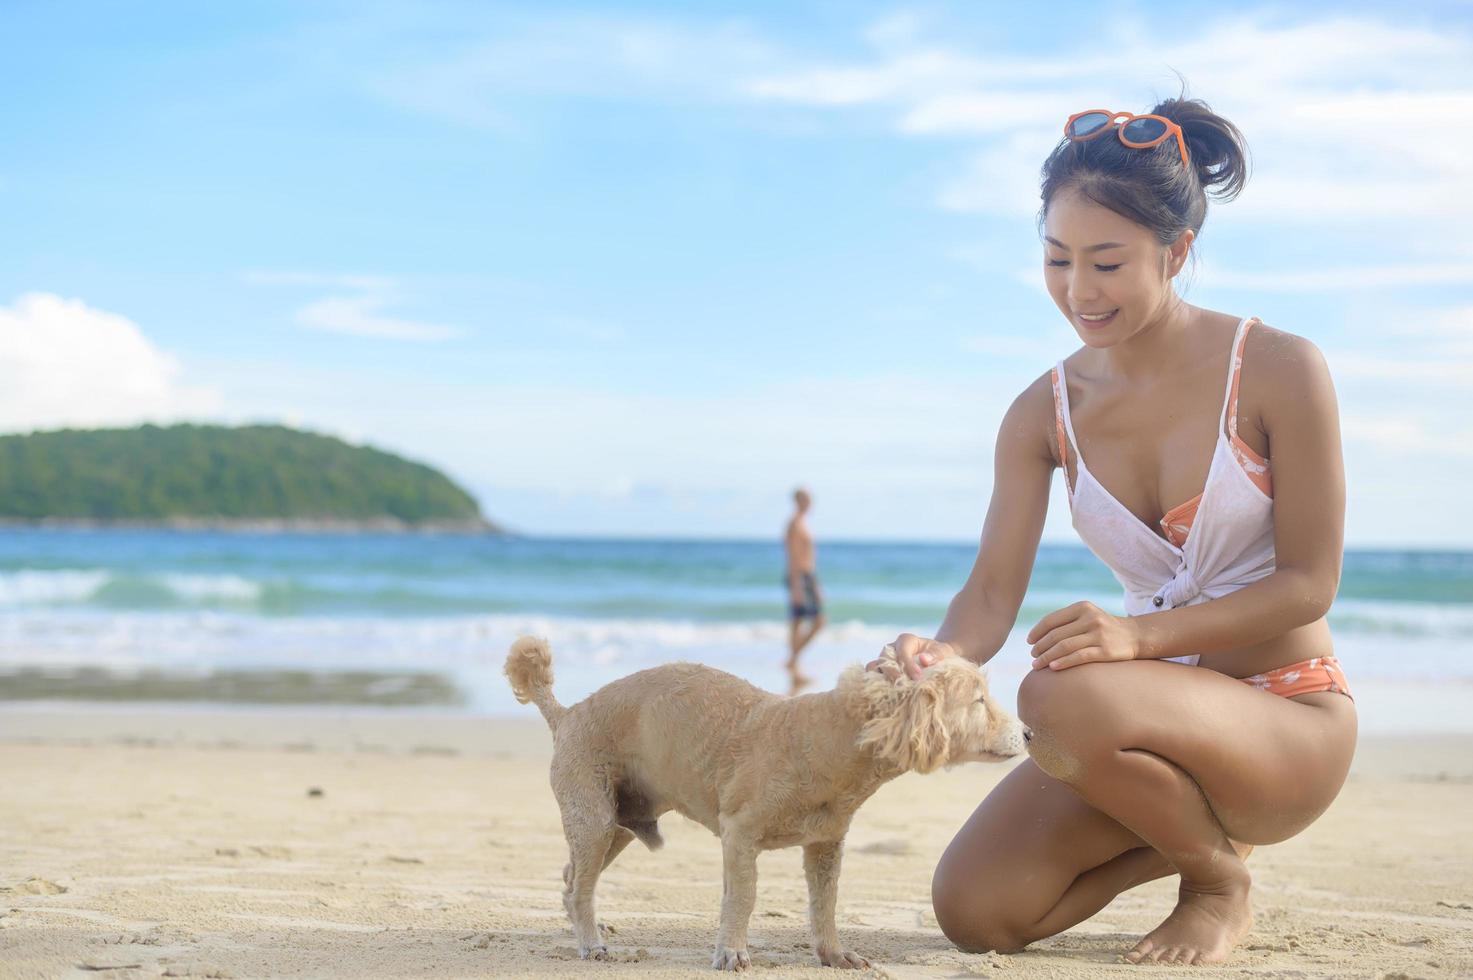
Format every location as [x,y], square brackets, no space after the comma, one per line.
[944,718]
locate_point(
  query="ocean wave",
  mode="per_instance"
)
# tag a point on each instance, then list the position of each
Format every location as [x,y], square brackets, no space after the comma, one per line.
[112,589]
[44,588]
[214,639]
[651,607]
[1419,620]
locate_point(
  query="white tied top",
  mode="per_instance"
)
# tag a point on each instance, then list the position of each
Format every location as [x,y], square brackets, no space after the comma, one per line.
[1231,541]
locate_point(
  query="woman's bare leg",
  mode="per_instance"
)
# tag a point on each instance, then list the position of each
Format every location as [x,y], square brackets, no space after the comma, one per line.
[1184,757]
[1038,856]
[1033,860]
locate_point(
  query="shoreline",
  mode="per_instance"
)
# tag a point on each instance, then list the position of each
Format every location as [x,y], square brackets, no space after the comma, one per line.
[1445,756]
[1387,708]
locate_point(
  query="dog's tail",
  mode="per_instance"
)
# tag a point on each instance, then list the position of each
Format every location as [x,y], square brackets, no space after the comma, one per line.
[529,668]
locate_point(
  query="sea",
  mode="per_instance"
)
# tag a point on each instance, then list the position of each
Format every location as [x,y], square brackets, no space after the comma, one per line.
[423,621]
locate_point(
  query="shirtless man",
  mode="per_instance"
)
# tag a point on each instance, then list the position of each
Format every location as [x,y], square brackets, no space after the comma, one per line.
[805,599]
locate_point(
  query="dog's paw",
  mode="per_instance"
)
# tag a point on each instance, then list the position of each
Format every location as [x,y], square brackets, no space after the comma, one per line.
[842,959]
[735,960]
[599,952]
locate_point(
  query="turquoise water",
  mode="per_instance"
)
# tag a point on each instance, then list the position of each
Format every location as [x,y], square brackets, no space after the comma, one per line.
[196,602]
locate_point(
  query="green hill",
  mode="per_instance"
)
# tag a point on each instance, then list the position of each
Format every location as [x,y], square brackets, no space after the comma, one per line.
[206,475]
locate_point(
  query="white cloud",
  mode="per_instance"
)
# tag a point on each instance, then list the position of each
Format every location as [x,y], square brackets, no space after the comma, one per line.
[489,59]
[1347,117]
[1001,179]
[1402,436]
[65,363]
[1347,278]
[1421,371]
[360,312]
[359,315]
[1411,356]
[1451,327]
[1327,103]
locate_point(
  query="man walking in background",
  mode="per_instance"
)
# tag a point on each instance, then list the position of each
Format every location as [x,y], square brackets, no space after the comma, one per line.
[805,600]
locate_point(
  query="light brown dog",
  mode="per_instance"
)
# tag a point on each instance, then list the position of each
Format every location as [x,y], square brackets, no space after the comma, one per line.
[760,771]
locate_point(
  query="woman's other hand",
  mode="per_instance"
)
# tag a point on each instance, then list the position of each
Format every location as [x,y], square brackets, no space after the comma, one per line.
[1082,634]
[909,655]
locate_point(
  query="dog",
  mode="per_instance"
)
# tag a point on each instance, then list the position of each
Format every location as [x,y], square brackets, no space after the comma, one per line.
[758,770]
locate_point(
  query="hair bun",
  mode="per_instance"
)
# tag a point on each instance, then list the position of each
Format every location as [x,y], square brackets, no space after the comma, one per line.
[1218,152]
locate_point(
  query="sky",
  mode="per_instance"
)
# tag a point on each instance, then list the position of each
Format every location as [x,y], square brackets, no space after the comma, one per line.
[638,269]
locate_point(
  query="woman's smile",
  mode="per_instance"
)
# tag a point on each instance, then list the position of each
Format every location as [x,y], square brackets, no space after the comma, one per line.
[1094,321]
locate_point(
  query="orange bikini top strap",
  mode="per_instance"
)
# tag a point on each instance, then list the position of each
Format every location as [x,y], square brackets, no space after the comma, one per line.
[1235,375]
[1059,429]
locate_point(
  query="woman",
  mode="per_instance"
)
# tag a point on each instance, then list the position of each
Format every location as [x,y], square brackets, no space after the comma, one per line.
[1213,717]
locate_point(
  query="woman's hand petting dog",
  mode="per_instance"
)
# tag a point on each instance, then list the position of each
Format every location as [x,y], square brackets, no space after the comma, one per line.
[909,655]
[1083,634]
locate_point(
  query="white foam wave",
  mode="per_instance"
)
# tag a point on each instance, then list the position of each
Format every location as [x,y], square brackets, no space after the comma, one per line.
[36,588]
[52,587]
[589,652]
[199,588]
[1380,616]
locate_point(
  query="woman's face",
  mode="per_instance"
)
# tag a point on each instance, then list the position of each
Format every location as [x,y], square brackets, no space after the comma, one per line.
[1097,262]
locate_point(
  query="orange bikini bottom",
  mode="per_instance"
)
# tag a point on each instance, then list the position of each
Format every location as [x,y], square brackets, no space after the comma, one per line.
[1306,677]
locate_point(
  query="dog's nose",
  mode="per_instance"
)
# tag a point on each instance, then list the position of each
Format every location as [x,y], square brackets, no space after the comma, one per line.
[1027,734]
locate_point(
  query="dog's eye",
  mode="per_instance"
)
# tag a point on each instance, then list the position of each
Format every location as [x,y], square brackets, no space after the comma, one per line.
[982,701]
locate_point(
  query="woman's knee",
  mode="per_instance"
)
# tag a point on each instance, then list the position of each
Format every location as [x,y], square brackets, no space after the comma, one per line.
[1087,696]
[970,913]
[1069,713]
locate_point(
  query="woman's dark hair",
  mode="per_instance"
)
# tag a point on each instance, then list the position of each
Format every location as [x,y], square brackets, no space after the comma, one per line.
[1151,187]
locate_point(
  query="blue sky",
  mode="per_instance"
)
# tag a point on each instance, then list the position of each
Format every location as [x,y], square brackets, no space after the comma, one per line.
[640,268]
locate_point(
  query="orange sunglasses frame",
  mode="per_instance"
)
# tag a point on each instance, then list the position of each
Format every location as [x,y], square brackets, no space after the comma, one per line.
[1118,121]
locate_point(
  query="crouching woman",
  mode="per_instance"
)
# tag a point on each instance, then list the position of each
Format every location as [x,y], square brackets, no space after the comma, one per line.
[1201,454]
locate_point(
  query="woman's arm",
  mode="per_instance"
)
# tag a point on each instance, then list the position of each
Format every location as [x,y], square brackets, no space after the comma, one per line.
[980,616]
[1302,422]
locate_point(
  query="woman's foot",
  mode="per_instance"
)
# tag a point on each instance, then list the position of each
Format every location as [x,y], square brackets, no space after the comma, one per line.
[1203,928]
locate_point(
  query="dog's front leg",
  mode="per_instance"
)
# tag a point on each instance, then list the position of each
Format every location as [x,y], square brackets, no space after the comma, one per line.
[738,895]
[821,864]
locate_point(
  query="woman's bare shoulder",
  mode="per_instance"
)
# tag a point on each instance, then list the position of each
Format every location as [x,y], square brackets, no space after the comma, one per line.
[1035,401]
[1029,421]
[1290,376]
[1284,358]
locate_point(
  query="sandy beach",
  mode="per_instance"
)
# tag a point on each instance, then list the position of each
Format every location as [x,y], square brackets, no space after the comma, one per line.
[144,842]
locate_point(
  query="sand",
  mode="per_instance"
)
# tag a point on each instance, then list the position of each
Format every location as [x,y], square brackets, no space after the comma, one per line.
[145,842]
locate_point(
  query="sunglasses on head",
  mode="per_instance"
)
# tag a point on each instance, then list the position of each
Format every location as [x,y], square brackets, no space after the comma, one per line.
[1139,132]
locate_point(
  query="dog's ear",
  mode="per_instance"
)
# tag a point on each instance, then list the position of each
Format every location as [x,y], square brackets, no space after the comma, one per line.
[907,723]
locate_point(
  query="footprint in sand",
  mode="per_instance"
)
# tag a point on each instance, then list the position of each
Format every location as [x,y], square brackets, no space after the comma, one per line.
[35,886]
